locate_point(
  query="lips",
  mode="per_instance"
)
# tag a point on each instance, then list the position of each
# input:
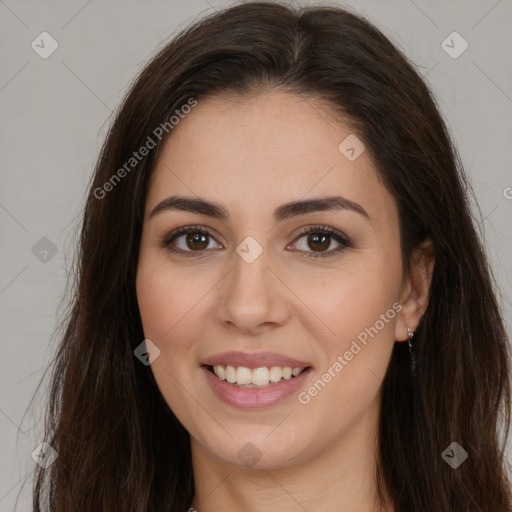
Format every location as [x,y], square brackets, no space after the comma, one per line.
[254,360]
[278,382]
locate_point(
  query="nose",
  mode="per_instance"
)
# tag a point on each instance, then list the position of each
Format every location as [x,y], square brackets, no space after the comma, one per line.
[253,298]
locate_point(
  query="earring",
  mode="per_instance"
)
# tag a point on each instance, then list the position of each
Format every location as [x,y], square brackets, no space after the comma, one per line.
[410,333]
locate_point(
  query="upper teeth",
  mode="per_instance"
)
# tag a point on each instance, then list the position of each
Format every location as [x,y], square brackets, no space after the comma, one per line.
[256,376]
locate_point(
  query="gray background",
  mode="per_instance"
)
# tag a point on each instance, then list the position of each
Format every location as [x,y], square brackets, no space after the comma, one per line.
[55,112]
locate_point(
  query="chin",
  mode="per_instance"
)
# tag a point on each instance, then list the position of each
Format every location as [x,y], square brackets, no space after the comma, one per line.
[254,448]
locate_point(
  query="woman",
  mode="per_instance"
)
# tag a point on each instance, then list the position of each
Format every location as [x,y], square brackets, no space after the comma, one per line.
[281,300]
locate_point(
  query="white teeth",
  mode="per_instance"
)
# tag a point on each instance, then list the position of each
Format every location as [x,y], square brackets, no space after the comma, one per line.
[221,372]
[287,373]
[249,377]
[259,377]
[276,373]
[230,374]
[243,375]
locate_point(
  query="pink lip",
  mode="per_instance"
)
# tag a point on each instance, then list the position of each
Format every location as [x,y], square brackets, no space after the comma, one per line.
[253,360]
[254,398]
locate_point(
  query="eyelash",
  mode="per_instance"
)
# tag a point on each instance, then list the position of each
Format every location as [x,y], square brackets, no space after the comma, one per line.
[339,237]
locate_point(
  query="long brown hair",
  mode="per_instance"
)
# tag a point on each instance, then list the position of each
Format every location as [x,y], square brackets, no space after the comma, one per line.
[119,445]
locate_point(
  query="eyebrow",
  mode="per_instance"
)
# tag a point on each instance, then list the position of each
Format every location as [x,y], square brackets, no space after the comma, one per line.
[283,212]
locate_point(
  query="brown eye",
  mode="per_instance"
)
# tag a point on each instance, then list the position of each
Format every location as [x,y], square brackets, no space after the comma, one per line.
[319,242]
[190,240]
[197,241]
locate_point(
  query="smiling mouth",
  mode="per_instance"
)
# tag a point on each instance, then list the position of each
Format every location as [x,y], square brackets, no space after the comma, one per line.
[263,376]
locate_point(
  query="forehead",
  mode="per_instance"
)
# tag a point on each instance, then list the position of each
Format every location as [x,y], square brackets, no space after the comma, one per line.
[259,152]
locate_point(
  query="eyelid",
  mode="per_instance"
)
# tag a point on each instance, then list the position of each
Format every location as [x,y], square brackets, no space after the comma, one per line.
[192,228]
[306,230]
[343,241]
[196,228]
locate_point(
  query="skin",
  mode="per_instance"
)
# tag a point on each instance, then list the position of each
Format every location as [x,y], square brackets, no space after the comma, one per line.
[252,155]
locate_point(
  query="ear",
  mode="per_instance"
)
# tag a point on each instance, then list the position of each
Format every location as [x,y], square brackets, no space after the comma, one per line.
[415,290]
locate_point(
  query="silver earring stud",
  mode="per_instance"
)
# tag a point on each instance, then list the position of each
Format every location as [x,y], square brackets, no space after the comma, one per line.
[410,333]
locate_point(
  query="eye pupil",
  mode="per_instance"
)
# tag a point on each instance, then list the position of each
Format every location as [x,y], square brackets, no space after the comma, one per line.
[197,241]
[319,246]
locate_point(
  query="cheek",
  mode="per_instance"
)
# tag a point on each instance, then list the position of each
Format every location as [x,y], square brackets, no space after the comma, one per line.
[167,299]
[347,382]
[354,296]
[358,305]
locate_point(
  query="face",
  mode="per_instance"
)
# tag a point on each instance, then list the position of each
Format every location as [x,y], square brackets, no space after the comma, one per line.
[259,290]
